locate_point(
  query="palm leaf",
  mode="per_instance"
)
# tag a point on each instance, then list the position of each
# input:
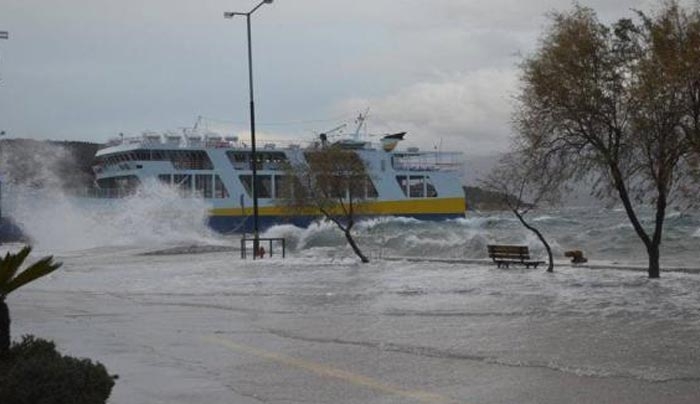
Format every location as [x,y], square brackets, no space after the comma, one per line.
[35,271]
[11,264]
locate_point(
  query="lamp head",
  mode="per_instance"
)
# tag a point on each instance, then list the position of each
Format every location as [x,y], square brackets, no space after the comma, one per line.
[229,14]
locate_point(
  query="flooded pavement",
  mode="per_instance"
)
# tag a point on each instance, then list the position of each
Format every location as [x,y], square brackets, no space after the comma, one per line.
[210,328]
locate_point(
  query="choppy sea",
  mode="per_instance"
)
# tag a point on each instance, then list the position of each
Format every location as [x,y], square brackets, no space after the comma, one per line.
[143,279]
[160,217]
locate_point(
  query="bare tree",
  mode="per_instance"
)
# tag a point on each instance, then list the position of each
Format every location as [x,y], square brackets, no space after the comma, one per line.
[604,99]
[518,176]
[332,182]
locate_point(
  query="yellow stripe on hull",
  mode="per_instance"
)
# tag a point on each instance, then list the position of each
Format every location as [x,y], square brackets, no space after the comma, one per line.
[431,206]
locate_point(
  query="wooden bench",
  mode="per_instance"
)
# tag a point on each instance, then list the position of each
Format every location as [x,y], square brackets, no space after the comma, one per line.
[504,255]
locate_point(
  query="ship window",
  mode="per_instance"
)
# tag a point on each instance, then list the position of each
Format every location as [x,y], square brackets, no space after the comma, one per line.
[416,187]
[203,185]
[430,188]
[247,181]
[286,186]
[183,182]
[282,186]
[403,183]
[241,160]
[371,189]
[165,178]
[220,191]
[264,185]
[124,184]
[272,160]
[361,187]
[189,159]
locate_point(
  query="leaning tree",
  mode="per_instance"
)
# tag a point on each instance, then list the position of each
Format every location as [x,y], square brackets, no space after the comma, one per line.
[519,176]
[618,105]
[333,183]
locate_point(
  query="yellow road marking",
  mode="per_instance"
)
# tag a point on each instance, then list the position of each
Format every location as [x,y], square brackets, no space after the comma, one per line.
[331,372]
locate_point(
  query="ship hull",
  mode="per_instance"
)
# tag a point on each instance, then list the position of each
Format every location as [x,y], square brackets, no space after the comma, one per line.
[241,220]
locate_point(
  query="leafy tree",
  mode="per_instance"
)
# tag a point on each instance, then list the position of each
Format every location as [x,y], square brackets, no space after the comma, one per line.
[613,104]
[12,278]
[332,182]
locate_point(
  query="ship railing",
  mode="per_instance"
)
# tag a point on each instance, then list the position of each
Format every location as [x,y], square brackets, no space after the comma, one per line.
[428,161]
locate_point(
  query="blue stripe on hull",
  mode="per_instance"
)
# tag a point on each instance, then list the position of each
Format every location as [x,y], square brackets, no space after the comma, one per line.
[239,224]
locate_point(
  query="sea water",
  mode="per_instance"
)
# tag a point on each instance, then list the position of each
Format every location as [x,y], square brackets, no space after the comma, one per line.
[132,283]
[159,216]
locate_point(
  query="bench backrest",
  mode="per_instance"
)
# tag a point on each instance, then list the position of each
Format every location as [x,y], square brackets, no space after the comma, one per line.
[511,252]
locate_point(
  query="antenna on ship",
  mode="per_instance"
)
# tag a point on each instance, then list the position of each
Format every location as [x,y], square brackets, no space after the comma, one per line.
[361,121]
[4,35]
[196,123]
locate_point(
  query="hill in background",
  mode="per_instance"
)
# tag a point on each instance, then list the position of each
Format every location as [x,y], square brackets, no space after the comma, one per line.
[63,164]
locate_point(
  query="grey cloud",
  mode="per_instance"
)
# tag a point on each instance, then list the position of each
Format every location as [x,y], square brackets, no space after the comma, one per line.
[89,69]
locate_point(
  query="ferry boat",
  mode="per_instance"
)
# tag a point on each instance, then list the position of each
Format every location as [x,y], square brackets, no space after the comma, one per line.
[419,184]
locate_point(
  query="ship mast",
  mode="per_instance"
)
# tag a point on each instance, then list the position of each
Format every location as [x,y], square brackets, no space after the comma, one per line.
[361,121]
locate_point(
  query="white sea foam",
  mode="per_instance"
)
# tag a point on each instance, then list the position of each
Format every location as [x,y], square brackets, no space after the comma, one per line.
[156,215]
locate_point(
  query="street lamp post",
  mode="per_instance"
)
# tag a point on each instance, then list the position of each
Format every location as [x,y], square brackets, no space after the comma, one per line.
[3,35]
[253,155]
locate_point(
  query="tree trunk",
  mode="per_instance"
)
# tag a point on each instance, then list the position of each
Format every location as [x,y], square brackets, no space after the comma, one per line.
[354,246]
[4,328]
[550,268]
[653,249]
[654,267]
[651,245]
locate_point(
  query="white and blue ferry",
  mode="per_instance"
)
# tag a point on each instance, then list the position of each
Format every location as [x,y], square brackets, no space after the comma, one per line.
[420,184]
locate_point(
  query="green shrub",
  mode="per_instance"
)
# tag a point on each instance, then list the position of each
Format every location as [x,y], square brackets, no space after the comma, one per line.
[35,373]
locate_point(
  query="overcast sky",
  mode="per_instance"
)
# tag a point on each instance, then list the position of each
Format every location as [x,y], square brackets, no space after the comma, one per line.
[444,70]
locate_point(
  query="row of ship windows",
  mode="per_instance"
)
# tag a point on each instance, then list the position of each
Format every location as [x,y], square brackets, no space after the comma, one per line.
[181,159]
[210,186]
[280,186]
[199,160]
[417,186]
[206,185]
[194,159]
